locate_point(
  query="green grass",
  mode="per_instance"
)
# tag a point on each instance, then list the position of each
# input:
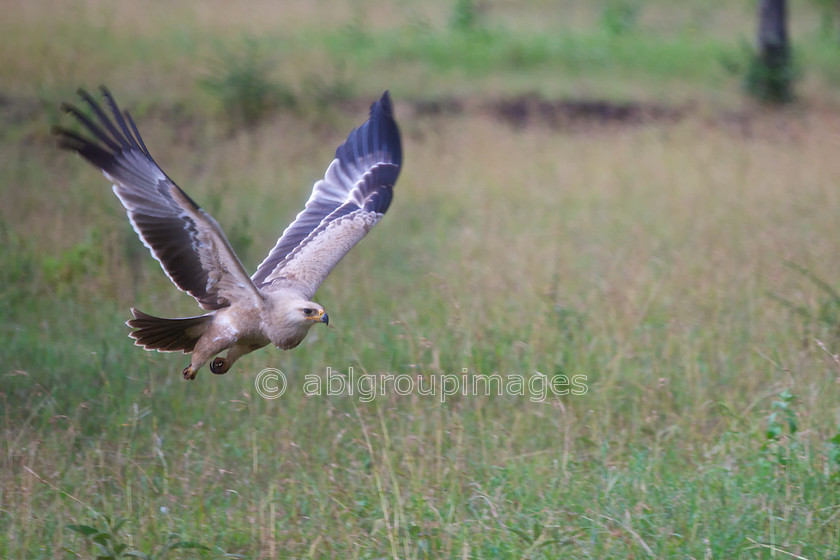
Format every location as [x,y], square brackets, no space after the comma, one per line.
[655,260]
[672,52]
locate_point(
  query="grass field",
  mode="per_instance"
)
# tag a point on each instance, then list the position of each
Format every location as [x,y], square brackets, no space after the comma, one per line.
[679,266]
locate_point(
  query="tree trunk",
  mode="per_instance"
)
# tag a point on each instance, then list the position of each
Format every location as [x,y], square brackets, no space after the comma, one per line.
[771,75]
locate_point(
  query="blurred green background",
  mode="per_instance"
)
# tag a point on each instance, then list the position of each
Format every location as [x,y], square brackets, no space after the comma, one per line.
[587,190]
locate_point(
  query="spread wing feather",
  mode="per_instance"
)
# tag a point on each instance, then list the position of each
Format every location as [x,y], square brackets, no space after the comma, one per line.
[188,242]
[351,198]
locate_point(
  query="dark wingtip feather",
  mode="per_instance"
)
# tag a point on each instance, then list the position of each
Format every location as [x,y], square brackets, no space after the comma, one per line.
[110,134]
[86,97]
[382,118]
[71,109]
[66,138]
[57,130]
[384,103]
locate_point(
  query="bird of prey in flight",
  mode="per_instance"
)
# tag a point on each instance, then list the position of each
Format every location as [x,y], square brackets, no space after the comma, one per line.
[244,313]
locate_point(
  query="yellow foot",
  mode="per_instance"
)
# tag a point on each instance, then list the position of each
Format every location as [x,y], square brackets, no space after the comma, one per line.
[190,373]
[219,366]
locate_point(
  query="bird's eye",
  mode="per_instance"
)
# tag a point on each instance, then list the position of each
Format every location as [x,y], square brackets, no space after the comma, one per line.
[308,311]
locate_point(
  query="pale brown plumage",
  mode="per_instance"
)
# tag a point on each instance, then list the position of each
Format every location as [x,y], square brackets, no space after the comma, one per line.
[272,306]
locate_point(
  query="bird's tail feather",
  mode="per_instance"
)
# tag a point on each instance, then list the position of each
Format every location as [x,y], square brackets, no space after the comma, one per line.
[167,335]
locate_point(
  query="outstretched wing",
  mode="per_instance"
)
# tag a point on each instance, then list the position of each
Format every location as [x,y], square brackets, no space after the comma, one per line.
[351,198]
[188,242]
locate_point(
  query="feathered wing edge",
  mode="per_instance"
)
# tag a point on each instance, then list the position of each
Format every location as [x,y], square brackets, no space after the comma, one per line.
[354,194]
[188,242]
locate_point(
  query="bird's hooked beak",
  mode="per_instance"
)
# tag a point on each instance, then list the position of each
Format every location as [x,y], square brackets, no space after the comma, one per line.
[321,317]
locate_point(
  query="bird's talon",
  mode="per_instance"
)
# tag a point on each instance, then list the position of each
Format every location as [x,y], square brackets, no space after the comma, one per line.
[217,366]
[189,373]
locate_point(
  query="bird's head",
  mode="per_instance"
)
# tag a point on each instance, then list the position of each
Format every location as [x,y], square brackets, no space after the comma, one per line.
[291,320]
[311,313]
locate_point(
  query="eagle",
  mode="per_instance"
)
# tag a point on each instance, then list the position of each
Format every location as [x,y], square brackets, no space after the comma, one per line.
[244,313]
